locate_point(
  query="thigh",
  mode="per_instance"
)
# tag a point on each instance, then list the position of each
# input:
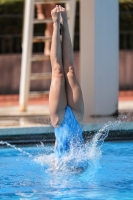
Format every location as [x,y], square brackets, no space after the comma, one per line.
[74,95]
[57,100]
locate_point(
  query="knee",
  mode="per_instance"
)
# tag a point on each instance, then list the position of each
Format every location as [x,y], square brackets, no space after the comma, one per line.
[70,72]
[57,70]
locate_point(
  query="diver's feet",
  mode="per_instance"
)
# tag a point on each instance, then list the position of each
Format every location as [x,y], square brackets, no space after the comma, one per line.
[63,16]
[55,13]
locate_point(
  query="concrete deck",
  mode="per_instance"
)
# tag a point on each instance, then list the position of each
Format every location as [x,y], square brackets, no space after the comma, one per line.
[39,115]
[36,114]
[33,126]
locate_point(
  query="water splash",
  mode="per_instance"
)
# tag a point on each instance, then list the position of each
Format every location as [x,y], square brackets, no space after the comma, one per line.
[16,148]
[80,159]
[101,134]
[97,141]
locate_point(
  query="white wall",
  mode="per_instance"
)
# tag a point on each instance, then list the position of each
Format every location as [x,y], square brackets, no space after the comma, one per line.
[99,56]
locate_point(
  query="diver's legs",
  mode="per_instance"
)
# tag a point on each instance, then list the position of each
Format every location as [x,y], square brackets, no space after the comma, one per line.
[73,90]
[57,96]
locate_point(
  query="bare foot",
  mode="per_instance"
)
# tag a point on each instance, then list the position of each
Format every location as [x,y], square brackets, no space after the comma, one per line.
[55,13]
[63,17]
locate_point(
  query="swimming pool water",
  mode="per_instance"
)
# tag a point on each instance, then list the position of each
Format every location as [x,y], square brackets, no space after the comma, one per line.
[32,176]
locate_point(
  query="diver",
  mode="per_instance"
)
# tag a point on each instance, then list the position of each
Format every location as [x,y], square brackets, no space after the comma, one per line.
[65,99]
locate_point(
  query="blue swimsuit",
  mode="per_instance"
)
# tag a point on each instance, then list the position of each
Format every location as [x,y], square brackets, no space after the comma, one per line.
[68,133]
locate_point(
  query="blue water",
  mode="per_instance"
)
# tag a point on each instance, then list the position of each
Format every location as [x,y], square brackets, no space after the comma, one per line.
[32,173]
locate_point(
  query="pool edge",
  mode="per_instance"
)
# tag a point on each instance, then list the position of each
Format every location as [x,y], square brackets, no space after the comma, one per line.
[45,133]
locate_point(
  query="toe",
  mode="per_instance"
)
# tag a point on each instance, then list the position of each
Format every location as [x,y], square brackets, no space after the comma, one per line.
[62,9]
[57,8]
[54,10]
